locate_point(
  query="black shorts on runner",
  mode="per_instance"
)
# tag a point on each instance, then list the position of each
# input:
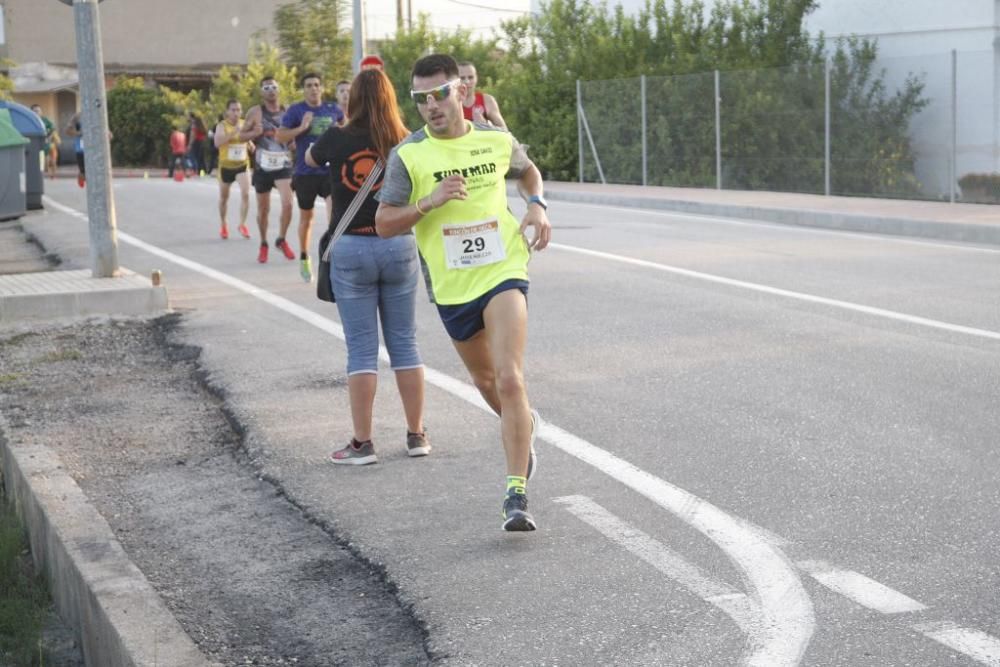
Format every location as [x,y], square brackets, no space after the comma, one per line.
[464,320]
[309,186]
[263,181]
[229,175]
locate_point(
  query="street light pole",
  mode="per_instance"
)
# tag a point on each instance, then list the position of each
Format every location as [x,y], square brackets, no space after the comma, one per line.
[359,34]
[97,150]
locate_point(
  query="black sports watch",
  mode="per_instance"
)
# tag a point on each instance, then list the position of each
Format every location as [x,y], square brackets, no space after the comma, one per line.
[538,199]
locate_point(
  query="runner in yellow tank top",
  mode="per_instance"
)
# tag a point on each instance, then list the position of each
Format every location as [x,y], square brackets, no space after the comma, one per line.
[446,182]
[233,164]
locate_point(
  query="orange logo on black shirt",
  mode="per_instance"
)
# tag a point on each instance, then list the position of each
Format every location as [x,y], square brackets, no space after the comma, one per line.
[356,169]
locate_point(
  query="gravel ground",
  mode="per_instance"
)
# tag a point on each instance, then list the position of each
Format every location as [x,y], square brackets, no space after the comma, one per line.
[247,575]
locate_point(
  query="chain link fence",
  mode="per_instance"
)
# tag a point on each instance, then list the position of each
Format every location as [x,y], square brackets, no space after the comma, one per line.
[903,127]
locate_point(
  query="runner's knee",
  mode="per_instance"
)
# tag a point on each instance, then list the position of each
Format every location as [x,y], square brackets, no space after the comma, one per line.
[509,382]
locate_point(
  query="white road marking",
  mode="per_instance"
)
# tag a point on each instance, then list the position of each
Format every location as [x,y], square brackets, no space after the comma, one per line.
[779,635]
[805,229]
[856,586]
[979,646]
[782,631]
[734,603]
[775,291]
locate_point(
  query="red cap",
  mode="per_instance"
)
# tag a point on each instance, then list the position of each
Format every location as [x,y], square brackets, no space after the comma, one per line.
[372,62]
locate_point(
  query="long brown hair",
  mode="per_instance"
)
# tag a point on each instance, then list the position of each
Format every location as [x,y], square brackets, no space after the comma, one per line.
[372,107]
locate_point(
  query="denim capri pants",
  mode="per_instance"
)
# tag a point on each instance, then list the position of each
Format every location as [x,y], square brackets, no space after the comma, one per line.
[376,279]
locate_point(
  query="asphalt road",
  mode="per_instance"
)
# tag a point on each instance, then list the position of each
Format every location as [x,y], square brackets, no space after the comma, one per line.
[764,445]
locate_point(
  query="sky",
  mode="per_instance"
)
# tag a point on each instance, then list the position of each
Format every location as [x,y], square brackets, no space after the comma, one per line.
[476,15]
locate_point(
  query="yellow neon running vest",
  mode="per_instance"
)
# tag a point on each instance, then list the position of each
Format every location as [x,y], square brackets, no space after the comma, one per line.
[483,157]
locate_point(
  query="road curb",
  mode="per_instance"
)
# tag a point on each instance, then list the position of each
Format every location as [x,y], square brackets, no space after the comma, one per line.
[75,293]
[913,227]
[99,592]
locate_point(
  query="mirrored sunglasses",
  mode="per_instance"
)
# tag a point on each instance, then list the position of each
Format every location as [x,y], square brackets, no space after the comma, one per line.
[439,94]
[269,87]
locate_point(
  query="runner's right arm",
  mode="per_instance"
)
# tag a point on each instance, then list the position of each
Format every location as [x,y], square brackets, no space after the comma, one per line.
[395,214]
[252,127]
[221,137]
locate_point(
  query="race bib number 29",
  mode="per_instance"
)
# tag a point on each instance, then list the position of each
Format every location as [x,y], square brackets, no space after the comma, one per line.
[472,244]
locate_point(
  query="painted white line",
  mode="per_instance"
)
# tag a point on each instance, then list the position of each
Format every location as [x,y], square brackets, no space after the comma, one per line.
[786,622]
[779,635]
[800,296]
[804,229]
[735,604]
[856,586]
[979,646]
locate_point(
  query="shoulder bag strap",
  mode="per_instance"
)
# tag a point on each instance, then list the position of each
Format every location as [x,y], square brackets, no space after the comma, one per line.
[352,210]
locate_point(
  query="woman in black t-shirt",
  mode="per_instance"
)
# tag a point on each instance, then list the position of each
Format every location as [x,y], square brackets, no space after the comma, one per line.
[373,278]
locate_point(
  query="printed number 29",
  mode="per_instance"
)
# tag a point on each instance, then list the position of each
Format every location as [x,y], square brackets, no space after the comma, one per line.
[470,245]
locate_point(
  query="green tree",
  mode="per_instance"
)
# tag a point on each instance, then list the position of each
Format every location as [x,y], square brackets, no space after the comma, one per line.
[870,148]
[240,83]
[313,38]
[139,118]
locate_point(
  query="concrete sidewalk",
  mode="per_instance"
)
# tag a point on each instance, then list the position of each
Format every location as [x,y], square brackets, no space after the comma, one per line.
[970,223]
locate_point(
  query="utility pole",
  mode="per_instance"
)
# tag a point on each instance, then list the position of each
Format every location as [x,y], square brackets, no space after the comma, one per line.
[97,153]
[399,16]
[409,14]
[359,34]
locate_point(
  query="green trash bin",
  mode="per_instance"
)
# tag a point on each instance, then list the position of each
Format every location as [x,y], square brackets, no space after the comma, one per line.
[13,199]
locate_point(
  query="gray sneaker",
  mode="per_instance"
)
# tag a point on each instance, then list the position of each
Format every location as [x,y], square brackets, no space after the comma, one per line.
[355,454]
[417,444]
[515,513]
[536,423]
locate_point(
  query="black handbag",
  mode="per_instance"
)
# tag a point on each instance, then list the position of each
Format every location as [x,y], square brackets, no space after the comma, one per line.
[324,284]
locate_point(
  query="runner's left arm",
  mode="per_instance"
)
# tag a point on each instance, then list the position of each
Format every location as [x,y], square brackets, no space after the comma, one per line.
[493,112]
[529,184]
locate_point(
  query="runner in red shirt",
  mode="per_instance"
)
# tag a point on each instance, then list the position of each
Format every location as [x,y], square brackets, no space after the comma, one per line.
[478,107]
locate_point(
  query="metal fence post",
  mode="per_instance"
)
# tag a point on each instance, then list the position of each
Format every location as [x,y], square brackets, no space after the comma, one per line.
[579,127]
[826,104]
[718,135]
[645,161]
[953,171]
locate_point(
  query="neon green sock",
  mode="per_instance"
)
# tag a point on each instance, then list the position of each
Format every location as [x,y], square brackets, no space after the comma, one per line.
[515,484]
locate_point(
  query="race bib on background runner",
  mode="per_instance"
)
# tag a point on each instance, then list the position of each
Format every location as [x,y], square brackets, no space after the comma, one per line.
[273,160]
[471,244]
[236,152]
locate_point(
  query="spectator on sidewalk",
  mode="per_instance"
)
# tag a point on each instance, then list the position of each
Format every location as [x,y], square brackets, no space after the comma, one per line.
[50,148]
[374,279]
[197,134]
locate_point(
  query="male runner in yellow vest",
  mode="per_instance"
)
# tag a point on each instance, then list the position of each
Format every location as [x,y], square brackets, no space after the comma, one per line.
[446,182]
[234,161]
